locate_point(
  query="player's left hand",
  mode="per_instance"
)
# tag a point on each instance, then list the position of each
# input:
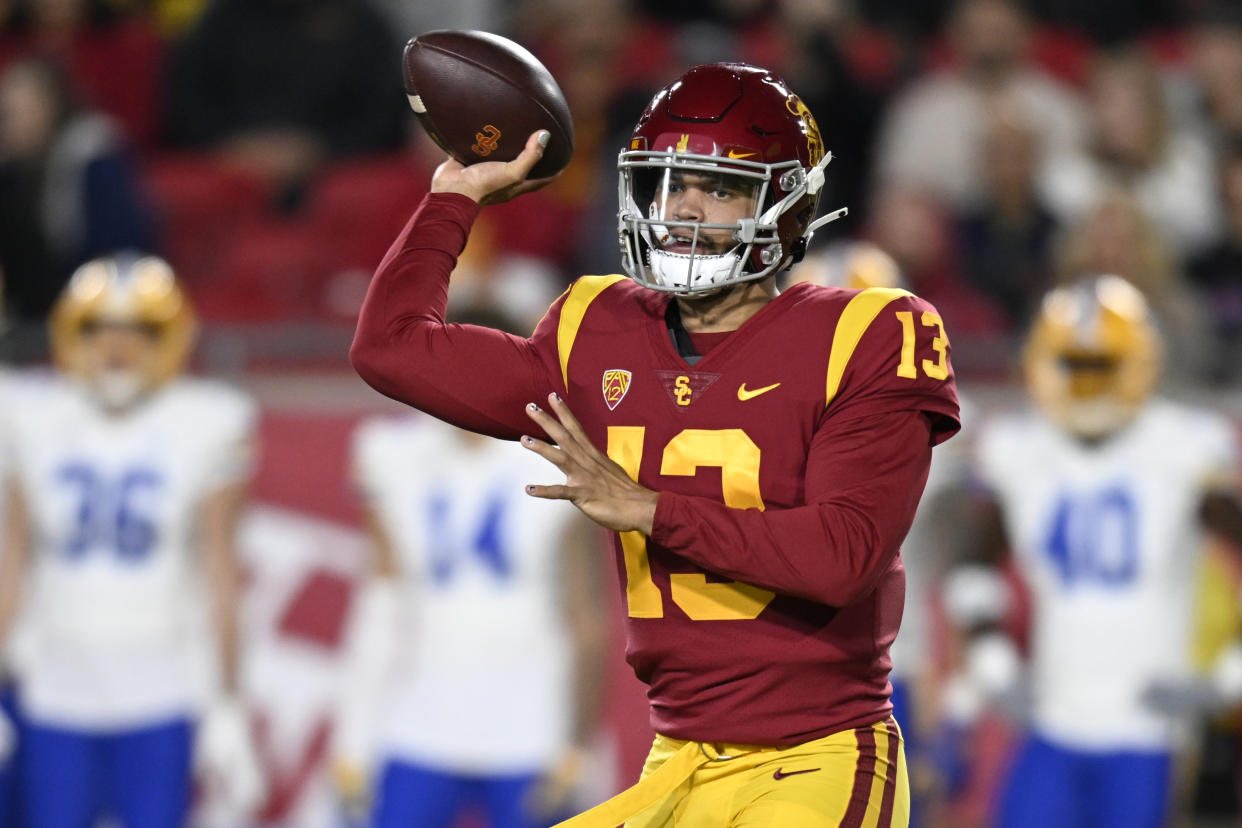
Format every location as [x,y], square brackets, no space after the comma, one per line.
[1217,691]
[225,754]
[593,482]
[352,782]
[550,797]
[1180,697]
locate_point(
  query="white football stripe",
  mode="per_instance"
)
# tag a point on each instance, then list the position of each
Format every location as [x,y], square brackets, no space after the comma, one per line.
[416,103]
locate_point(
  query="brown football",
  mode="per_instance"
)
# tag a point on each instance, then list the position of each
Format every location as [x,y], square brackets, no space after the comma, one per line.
[480,96]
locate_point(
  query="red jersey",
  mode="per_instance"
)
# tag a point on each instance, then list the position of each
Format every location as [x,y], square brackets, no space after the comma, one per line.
[789,460]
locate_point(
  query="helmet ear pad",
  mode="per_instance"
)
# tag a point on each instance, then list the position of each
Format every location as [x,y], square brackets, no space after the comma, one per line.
[799,251]
[801,219]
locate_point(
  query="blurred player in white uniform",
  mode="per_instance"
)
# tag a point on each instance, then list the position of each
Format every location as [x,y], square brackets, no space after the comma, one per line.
[125,484]
[1102,494]
[479,645]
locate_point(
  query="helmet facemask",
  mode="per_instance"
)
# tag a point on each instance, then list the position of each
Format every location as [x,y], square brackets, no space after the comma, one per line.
[122,327]
[1093,357]
[691,224]
[119,360]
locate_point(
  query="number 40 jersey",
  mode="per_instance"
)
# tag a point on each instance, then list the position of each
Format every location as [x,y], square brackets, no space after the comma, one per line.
[1107,539]
[114,616]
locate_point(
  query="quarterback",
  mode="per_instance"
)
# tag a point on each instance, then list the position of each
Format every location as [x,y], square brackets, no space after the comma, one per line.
[124,490]
[759,454]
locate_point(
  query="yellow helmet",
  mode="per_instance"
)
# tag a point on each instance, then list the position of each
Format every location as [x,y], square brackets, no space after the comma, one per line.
[126,290]
[857,265]
[1093,355]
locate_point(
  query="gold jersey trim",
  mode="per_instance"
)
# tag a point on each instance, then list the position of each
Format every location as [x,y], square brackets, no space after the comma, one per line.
[855,319]
[581,294]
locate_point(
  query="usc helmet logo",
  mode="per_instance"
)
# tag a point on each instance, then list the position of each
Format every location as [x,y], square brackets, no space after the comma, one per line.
[814,142]
[485,142]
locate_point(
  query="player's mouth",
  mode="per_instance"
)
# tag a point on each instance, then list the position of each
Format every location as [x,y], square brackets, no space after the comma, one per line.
[684,243]
[678,242]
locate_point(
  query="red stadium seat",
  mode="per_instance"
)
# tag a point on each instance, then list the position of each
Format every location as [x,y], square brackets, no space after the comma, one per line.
[269,270]
[201,204]
[356,209]
[361,205]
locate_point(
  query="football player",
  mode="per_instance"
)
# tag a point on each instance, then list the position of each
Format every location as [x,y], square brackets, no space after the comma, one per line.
[759,454]
[125,486]
[478,649]
[1102,493]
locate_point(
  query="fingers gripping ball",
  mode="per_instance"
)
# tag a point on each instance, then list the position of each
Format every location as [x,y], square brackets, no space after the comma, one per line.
[480,96]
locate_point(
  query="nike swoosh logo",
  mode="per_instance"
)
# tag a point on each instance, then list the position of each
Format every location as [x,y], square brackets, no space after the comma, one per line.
[744,393]
[780,774]
[736,154]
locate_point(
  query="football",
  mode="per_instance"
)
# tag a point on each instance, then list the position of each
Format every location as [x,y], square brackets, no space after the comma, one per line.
[480,96]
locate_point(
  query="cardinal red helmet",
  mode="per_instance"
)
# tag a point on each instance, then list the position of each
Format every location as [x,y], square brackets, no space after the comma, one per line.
[738,139]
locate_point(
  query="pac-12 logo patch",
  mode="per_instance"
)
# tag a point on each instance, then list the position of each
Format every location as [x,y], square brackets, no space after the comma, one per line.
[616,383]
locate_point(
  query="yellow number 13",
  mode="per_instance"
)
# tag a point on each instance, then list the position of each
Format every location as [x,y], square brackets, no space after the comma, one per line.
[936,370]
[736,455]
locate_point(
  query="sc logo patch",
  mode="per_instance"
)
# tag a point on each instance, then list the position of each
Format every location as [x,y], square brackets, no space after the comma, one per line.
[485,142]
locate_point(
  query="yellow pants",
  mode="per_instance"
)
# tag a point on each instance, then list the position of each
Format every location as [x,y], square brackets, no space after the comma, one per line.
[854,779]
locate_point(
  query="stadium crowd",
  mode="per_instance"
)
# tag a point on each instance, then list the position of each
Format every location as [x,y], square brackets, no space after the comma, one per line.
[265,149]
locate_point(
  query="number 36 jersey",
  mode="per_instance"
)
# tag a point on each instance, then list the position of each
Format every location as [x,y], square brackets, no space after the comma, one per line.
[1107,539]
[116,612]
[766,658]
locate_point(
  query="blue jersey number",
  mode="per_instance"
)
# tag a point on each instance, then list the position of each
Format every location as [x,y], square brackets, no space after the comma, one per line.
[449,545]
[108,515]
[1094,538]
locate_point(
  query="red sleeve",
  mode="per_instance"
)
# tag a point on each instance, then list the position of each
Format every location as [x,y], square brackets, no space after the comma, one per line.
[473,377]
[864,478]
[873,381]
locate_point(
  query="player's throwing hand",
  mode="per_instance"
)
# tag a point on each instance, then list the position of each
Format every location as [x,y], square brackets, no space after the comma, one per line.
[493,182]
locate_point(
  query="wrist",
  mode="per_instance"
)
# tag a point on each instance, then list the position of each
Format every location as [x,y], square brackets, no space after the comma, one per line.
[645,512]
[458,188]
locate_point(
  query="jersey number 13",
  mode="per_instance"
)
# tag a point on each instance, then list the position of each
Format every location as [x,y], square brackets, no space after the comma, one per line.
[736,455]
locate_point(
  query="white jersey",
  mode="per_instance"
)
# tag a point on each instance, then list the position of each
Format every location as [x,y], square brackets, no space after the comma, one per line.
[115,613]
[1108,542]
[482,684]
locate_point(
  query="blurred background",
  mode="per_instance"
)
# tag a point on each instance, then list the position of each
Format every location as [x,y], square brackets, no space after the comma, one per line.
[265,148]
